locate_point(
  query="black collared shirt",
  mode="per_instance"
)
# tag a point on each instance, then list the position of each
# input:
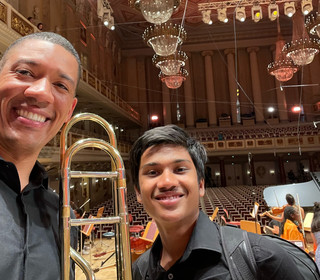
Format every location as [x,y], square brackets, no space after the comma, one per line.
[203,258]
[29,226]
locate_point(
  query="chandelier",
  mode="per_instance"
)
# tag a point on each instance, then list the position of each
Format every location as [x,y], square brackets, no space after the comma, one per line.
[155,11]
[301,49]
[174,81]
[170,65]
[313,24]
[164,38]
[282,68]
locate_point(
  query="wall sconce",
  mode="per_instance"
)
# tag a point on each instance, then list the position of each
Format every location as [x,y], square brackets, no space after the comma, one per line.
[222,15]
[273,11]
[240,14]
[289,9]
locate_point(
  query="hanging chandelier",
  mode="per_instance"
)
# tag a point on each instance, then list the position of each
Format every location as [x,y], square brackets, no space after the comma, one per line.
[170,65]
[282,68]
[174,81]
[313,24]
[164,38]
[301,49]
[155,11]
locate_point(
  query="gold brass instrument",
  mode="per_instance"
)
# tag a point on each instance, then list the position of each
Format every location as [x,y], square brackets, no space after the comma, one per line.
[121,220]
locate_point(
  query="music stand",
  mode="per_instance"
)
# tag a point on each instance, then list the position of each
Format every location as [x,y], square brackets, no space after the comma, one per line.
[254,213]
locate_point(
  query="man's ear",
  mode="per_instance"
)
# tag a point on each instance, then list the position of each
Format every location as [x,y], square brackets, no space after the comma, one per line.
[74,103]
[201,188]
[138,194]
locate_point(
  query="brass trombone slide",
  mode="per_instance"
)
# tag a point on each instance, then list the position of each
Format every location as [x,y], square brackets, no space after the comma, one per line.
[121,221]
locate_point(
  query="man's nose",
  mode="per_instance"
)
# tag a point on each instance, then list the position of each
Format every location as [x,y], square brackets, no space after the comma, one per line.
[167,179]
[40,90]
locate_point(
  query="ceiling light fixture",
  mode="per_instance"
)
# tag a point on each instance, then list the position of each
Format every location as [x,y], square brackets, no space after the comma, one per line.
[313,24]
[240,13]
[174,81]
[104,12]
[289,9]
[164,38]
[273,11]
[155,11]
[170,65]
[256,12]
[222,15]
[206,17]
[306,6]
[301,49]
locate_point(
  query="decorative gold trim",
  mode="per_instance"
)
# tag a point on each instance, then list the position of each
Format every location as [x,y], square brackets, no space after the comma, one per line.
[3,13]
[20,25]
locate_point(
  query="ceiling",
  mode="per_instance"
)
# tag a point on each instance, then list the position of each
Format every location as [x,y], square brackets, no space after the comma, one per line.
[130,24]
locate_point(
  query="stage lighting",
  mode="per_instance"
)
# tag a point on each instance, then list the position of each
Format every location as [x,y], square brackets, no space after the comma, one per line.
[256,13]
[206,16]
[306,6]
[241,14]
[222,15]
[289,9]
[273,11]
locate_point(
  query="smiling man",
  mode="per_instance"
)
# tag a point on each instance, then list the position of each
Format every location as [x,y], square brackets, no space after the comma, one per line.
[167,168]
[39,74]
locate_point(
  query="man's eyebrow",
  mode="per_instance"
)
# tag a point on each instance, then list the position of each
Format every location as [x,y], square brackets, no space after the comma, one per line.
[35,63]
[156,163]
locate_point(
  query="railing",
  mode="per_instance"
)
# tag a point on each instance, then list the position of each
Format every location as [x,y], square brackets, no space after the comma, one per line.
[17,22]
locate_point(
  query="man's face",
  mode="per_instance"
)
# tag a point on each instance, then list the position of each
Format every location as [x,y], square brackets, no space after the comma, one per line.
[37,87]
[169,187]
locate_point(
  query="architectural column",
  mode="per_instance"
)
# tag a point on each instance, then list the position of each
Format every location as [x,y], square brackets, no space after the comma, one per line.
[256,87]
[281,170]
[166,105]
[281,97]
[212,113]
[132,95]
[222,174]
[143,108]
[311,163]
[188,96]
[252,173]
[232,84]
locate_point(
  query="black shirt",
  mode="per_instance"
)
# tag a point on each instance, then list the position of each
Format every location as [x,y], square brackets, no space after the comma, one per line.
[203,258]
[29,226]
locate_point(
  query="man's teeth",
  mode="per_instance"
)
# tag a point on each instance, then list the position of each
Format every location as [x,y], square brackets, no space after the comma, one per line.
[169,197]
[31,116]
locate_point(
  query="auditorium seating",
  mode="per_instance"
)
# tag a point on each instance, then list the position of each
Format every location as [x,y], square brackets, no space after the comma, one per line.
[234,204]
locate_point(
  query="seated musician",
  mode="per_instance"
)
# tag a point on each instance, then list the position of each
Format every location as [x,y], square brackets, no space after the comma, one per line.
[280,210]
[289,229]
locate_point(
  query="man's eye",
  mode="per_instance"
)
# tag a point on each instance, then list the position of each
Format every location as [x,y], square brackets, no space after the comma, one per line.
[23,72]
[152,172]
[62,86]
[181,169]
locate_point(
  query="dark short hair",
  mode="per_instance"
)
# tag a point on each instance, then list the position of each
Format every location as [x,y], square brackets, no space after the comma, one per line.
[315,225]
[290,199]
[79,211]
[171,135]
[44,36]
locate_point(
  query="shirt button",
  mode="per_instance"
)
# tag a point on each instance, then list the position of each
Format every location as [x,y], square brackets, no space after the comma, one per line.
[170,276]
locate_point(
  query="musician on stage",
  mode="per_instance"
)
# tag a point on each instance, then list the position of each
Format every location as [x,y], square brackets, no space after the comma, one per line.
[167,168]
[39,74]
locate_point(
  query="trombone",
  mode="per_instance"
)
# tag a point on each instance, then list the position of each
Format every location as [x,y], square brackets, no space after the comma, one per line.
[121,221]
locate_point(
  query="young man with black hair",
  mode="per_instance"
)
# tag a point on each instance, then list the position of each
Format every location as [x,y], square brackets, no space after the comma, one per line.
[167,168]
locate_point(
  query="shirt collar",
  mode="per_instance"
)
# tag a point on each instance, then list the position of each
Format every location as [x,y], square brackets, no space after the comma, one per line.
[199,240]
[38,176]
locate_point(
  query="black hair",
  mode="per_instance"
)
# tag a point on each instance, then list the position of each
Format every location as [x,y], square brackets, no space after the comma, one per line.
[315,225]
[290,199]
[288,212]
[169,134]
[44,36]
[79,211]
